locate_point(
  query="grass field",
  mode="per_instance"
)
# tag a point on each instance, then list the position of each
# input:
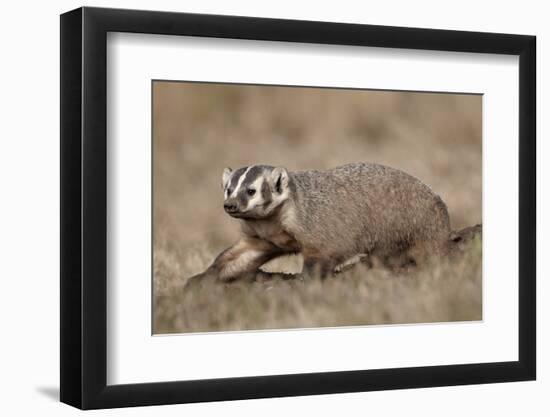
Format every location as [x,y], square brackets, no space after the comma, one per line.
[201,128]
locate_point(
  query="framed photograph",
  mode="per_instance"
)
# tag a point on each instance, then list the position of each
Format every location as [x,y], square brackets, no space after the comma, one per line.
[259,208]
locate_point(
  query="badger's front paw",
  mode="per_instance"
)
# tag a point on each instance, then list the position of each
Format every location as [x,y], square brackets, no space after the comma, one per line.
[198,281]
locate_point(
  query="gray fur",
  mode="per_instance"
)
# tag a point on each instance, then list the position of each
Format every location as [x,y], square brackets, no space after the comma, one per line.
[366,208]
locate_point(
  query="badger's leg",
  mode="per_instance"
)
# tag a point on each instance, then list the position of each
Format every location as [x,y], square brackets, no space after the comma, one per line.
[246,256]
[318,267]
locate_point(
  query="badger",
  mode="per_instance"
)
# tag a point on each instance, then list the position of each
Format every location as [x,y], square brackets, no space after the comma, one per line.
[332,218]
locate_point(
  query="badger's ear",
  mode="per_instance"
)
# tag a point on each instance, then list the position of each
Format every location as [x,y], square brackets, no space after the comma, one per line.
[225,176]
[279,179]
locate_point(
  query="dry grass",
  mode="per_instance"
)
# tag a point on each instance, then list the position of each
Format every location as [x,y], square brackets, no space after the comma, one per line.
[200,128]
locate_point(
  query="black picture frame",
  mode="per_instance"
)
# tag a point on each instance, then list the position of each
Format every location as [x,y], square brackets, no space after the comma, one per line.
[84,207]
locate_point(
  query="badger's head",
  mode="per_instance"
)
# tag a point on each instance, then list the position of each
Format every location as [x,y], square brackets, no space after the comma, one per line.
[254,192]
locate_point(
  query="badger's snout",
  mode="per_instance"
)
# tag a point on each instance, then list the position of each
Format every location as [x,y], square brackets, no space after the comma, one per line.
[230,207]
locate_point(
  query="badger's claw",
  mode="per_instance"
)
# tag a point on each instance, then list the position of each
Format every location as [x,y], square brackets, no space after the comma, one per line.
[347,264]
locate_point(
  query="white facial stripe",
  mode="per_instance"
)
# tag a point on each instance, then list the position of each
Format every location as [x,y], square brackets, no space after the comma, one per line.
[225,194]
[258,198]
[227,184]
[241,179]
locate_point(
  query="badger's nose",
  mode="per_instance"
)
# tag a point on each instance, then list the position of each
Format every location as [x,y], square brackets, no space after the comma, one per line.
[230,207]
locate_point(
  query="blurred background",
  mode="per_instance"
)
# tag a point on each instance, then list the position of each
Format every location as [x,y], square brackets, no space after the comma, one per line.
[200,128]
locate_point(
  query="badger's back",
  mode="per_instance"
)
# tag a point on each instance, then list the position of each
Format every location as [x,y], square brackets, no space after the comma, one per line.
[366,208]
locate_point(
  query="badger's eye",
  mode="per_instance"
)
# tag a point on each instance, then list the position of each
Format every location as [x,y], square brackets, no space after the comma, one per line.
[229,191]
[251,191]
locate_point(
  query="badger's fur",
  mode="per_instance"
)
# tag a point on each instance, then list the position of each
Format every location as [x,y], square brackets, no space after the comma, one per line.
[333,218]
